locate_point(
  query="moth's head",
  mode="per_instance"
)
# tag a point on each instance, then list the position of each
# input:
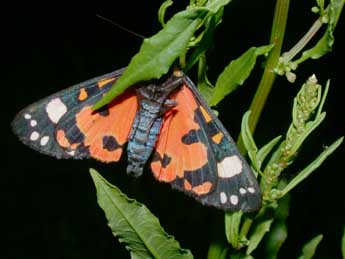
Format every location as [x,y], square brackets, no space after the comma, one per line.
[177,72]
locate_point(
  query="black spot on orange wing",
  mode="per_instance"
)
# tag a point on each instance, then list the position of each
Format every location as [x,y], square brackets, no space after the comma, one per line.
[104,111]
[191,137]
[199,176]
[72,132]
[110,143]
[166,160]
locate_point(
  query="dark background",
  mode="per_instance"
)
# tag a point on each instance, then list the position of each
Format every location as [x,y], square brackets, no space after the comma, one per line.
[49,206]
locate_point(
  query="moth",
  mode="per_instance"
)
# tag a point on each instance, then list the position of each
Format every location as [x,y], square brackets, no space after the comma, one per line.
[163,124]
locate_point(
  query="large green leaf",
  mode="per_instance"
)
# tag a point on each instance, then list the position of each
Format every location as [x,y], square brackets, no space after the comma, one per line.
[236,73]
[157,53]
[133,224]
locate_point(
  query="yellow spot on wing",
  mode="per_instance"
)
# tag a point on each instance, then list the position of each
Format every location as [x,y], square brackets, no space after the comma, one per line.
[217,138]
[187,185]
[203,188]
[104,82]
[206,115]
[82,94]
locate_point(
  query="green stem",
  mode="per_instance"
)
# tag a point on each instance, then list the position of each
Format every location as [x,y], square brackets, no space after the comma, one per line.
[268,77]
[267,80]
[264,88]
[288,56]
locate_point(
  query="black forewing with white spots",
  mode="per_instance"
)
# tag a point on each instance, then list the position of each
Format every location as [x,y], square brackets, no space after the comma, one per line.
[236,187]
[36,124]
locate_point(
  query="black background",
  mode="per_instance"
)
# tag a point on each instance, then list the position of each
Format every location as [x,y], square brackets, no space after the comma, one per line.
[49,207]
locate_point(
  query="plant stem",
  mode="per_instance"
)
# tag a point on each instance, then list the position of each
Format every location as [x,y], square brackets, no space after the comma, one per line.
[268,77]
[267,80]
[288,56]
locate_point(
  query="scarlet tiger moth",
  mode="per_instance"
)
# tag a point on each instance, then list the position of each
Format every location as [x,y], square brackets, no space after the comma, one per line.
[164,122]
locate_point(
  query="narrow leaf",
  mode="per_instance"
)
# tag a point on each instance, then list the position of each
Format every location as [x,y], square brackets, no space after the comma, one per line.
[232,225]
[278,233]
[248,141]
[325,44]
[259,231]
[277,237]
[311,167]
[247,135]
[205,42]
[204,85]
[162,9]
[265,150]
[157,53]
[309,128]
[133,224]
[309,248]
[236,73]
[217,251]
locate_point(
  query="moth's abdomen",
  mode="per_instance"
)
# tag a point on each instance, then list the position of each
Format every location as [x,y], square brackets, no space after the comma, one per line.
[143,137]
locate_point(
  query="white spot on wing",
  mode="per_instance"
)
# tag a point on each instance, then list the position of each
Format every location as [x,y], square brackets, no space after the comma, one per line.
[251,190]
[27,116]
[34,136]
[44,140]
[56,109]
[242,191]
[71,153]
[33,123]
[234,199]
[229,167]
[223,197]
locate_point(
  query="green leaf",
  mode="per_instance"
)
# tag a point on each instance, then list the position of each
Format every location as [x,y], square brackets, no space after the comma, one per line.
[311,167]
[217,251]
[232,226]
[204,85]
[309,128]
[278,233]
[265,150]
[248,141]
[277,237]
[215,5]
[343,244]
[236,73]
[309,248]
[132,223]
[258,233]
[323,99]
[158,52]
[246,133]
[206,40]
[325,44]
[162,9]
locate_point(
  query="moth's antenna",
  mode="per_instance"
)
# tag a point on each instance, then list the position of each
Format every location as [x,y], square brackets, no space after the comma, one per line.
[121,27]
